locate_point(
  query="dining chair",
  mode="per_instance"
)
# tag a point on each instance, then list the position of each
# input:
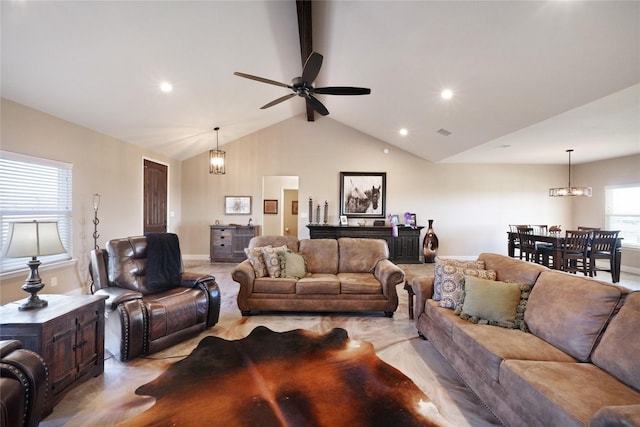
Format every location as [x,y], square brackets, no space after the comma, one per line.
[528,249]
[540,229]
[581,228]
[513,228]
[603,246]
[575,251]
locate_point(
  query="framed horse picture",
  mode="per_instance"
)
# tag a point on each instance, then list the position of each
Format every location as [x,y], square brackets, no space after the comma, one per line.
[363,194]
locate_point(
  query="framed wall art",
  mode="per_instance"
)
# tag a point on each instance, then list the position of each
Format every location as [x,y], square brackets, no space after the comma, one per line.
[237,205]
[294,207]
[363,194]
[270,206]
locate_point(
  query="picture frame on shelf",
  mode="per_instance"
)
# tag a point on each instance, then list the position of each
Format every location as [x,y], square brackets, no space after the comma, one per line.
[270,206]
[412,220]
[363,194]
[344,220]
[237,205]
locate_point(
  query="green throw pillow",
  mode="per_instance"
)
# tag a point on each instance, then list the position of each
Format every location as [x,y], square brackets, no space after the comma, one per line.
[294,265]
[490,302]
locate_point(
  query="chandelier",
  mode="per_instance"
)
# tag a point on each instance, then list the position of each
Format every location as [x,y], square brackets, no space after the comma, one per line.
[216,158]
[569,190]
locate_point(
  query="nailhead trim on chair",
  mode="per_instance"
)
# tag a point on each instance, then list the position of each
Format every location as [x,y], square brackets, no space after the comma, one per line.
[145,327]
[25,383]
[125,332]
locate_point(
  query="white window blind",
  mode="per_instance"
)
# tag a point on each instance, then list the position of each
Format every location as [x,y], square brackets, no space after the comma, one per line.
[622,212]
[32,188]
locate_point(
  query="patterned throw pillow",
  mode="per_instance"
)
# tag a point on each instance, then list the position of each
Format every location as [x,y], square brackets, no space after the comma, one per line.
[439,272]
[254,255]
[453,283]
[271,257]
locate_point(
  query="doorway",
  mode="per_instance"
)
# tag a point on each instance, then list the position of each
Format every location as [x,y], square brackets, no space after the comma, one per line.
[284,189]
[155,197]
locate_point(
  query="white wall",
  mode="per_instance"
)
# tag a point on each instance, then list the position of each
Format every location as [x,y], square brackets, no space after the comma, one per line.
[101,164]
[472,205]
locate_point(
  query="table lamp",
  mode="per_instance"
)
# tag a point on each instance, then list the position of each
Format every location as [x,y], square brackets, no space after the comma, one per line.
[33,239]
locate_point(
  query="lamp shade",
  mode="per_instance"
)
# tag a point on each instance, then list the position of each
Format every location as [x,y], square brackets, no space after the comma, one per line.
[33,239]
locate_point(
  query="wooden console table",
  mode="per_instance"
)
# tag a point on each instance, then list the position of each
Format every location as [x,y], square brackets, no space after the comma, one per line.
[68,334]
[404,249]
[227,242]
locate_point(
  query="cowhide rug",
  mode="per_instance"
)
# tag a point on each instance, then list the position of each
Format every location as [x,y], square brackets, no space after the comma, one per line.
[295,378]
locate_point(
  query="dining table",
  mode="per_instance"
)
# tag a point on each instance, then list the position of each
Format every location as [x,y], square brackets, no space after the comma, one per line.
[556,239]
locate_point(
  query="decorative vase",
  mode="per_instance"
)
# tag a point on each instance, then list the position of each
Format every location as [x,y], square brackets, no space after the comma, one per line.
[430,244]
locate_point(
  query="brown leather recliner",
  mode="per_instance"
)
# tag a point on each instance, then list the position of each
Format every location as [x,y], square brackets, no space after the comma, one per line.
[24,383]
[152,303]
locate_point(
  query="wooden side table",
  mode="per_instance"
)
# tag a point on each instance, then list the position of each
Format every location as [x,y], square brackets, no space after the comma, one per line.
[68,334]
[411,294]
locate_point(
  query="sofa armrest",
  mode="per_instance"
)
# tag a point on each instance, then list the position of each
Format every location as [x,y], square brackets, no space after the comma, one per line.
[207,284]
[423,290]
[244,274]
[616,416]
[116,296]
[389,275]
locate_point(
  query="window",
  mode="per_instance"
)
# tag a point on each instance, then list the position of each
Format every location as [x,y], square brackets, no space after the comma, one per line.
[622,212]
[35,189]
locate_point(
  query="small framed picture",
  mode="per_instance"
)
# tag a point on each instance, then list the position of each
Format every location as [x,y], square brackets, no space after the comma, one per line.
[294,207]
[412,220]
[237,205]
[270,206]
[344,220]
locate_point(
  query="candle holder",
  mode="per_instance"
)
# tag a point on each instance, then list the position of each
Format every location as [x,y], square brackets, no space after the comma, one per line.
[96,221]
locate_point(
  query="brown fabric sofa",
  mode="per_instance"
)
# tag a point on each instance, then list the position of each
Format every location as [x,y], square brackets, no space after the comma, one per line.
[347,274]
[150,308]
[24,382]
[578,366]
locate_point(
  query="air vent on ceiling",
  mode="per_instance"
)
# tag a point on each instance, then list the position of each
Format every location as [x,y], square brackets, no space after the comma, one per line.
[444,132]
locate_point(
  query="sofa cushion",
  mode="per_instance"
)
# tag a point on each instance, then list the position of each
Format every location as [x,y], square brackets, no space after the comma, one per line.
[254,255]
[315,283]
[359,283]
[360,255]
[271,257]
[321,255]
[268,285]
[619,349]
[490,301]
[512,270]
[570,311]
[439,272]
[452,290]
[487,347]
[175,310]
[563,394]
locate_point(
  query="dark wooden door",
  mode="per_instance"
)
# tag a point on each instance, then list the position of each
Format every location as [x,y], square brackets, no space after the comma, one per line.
[155,197]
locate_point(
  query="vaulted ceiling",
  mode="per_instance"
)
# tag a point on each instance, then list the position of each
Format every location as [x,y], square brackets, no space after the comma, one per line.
[530,79]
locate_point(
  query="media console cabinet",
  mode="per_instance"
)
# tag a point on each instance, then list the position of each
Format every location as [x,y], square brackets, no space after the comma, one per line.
[404,249]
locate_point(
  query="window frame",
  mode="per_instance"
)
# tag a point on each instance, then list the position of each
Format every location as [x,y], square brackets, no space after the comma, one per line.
[614,216]
[15,169]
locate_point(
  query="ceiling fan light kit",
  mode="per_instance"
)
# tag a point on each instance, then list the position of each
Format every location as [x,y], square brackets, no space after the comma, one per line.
[569,190]
[303,86]
[216,158]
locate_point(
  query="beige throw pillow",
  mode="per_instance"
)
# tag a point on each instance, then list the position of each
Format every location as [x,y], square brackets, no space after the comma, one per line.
[490,302]
[293,266]
[254,255]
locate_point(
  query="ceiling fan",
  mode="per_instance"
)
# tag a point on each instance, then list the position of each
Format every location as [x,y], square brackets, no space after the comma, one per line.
[303,86]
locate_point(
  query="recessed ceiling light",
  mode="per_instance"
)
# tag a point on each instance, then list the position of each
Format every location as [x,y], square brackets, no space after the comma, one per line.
[446,94]
[404,132]
[385,151]
[166,87]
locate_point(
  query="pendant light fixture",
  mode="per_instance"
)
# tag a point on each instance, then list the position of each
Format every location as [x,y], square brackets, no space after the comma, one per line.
[569,190]
[216,158]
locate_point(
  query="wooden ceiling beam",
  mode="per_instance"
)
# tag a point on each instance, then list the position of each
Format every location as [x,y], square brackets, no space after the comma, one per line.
[305,33]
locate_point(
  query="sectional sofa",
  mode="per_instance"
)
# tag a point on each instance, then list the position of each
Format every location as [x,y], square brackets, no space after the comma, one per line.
[283,273]
[577,365]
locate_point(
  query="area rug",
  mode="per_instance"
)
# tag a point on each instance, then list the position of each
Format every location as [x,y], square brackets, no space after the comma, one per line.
[295,378]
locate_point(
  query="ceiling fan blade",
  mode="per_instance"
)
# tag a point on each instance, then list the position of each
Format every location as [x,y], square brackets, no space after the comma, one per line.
[261,79]
[278,101]
[311,67]
[342,90]
[317,105]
